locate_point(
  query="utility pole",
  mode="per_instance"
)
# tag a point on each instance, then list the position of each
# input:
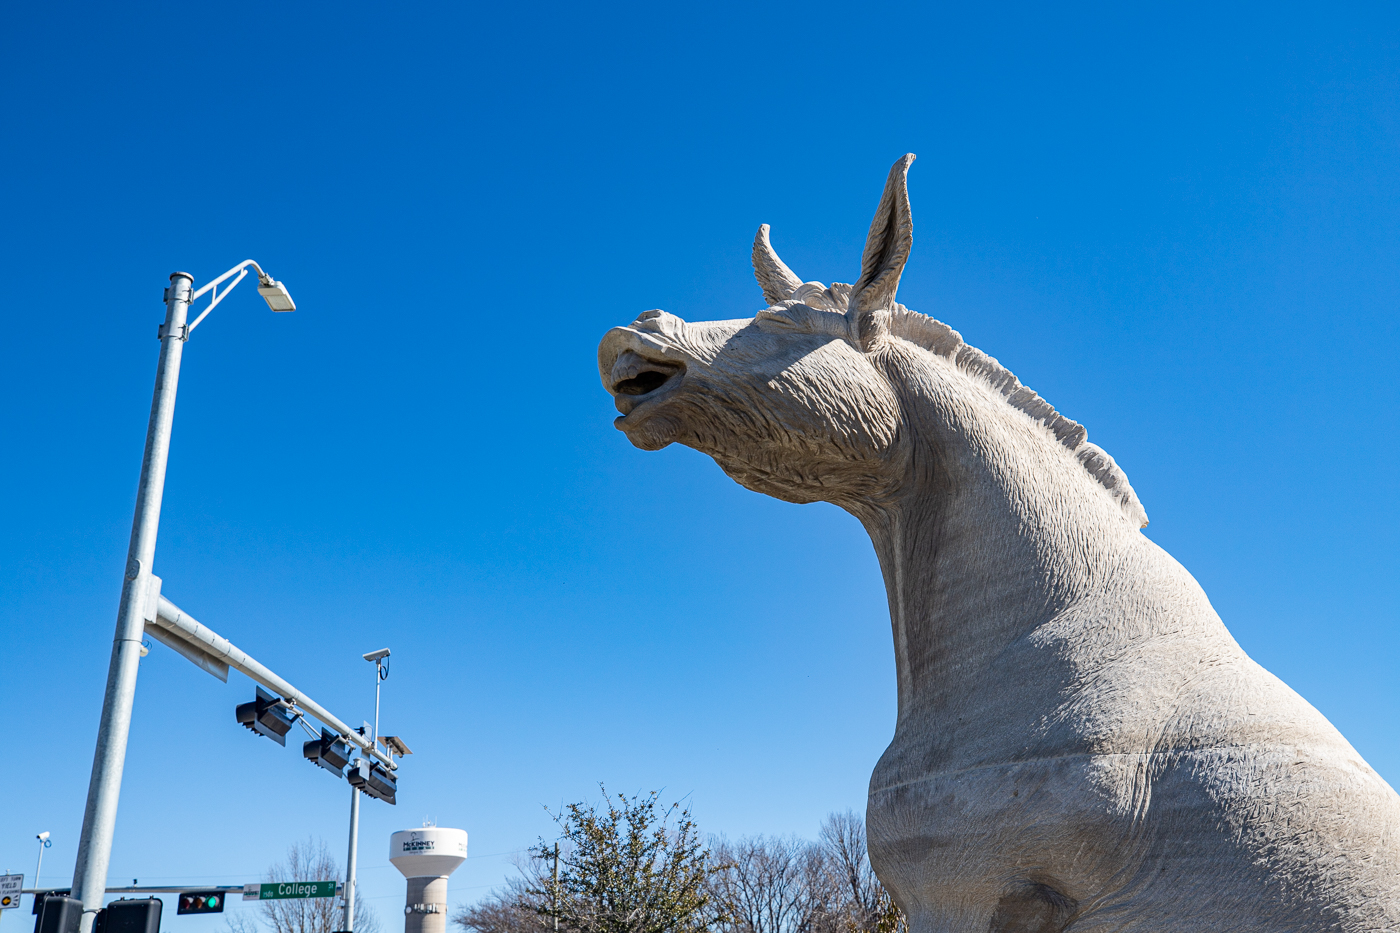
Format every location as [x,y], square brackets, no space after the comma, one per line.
[381,671]
[350,859]
[556,888]
[104,788]
[44,843]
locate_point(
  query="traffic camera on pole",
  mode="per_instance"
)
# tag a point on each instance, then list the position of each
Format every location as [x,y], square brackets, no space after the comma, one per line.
[267,715]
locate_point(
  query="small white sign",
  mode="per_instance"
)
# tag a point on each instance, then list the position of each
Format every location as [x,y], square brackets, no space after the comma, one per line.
[252,892]
[10,886]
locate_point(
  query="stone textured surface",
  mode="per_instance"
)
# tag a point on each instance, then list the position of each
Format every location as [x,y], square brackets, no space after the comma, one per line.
[1080,745]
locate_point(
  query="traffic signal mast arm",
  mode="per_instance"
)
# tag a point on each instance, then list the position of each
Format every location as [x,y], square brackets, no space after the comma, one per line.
[155,889]
[164,618]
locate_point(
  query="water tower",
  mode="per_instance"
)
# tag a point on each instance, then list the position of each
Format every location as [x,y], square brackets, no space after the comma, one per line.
[426,857]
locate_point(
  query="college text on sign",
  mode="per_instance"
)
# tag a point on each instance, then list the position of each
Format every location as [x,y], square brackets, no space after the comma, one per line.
[284,889]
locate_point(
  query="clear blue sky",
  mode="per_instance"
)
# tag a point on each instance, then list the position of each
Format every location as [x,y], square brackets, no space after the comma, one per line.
[1180,224]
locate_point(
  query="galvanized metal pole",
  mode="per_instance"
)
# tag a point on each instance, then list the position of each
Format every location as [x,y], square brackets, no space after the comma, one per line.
[40,863]
[378,679]
[355,817]
[100,816]
[350,859]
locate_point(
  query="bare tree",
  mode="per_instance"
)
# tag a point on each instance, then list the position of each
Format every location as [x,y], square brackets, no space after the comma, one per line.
[499,914]
[767,884]
[770,885]
[860,903]
[516,908]
[240,921]
[855,889]
[306,861]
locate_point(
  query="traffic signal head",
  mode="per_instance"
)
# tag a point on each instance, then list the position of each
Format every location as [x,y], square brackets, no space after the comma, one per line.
[201,902]
[374,780]
[40,897]
[266,716]
[135,915]
[329,751]
[58,913]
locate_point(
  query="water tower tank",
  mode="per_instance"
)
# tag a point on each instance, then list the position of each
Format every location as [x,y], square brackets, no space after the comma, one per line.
[426,857]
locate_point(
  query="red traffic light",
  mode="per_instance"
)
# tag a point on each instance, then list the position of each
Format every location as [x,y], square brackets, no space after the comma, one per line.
[201,902]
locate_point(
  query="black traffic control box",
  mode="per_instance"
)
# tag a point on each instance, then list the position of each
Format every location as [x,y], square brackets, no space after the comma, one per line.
[59,914]
[137,915]
[39,901]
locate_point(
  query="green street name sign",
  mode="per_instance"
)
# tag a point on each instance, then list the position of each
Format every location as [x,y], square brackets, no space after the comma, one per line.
[285,889]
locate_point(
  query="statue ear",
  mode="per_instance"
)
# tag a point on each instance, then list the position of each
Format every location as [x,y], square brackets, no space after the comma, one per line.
[774,277]
[886,251]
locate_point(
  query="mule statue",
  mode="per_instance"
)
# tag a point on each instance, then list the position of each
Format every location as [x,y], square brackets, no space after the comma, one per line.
[1080,744]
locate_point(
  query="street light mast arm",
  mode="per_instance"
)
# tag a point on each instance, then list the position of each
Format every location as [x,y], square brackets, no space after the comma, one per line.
[241,270]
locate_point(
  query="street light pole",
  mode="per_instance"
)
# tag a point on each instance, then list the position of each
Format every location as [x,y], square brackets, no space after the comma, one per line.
[100,815]
[138,602]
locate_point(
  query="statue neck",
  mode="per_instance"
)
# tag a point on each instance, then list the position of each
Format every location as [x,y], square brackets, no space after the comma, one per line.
[995,530]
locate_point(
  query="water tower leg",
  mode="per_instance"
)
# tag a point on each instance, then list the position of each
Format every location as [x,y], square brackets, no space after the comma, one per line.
[426,908]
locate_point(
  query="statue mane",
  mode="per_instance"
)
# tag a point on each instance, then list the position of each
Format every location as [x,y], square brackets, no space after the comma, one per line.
[937,337]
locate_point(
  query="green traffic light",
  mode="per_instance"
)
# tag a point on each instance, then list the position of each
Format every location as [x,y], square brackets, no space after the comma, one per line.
[213,901]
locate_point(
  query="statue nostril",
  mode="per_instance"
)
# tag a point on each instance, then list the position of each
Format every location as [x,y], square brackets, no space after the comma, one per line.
[646,381]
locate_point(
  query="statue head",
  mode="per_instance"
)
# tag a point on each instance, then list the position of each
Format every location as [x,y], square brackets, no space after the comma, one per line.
[789,402]
[824,394]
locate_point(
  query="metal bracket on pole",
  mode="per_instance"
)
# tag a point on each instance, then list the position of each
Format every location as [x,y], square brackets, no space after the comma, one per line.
[217,296]
[193,651]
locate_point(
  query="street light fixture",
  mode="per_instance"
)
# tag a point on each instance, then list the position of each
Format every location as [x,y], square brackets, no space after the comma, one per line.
[275,294]
[139,595]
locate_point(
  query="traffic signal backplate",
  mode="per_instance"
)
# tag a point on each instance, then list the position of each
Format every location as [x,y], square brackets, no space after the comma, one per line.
[201,902]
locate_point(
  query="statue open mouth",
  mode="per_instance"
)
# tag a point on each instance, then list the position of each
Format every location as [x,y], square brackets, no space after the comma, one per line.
[634,375]
[646,381]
